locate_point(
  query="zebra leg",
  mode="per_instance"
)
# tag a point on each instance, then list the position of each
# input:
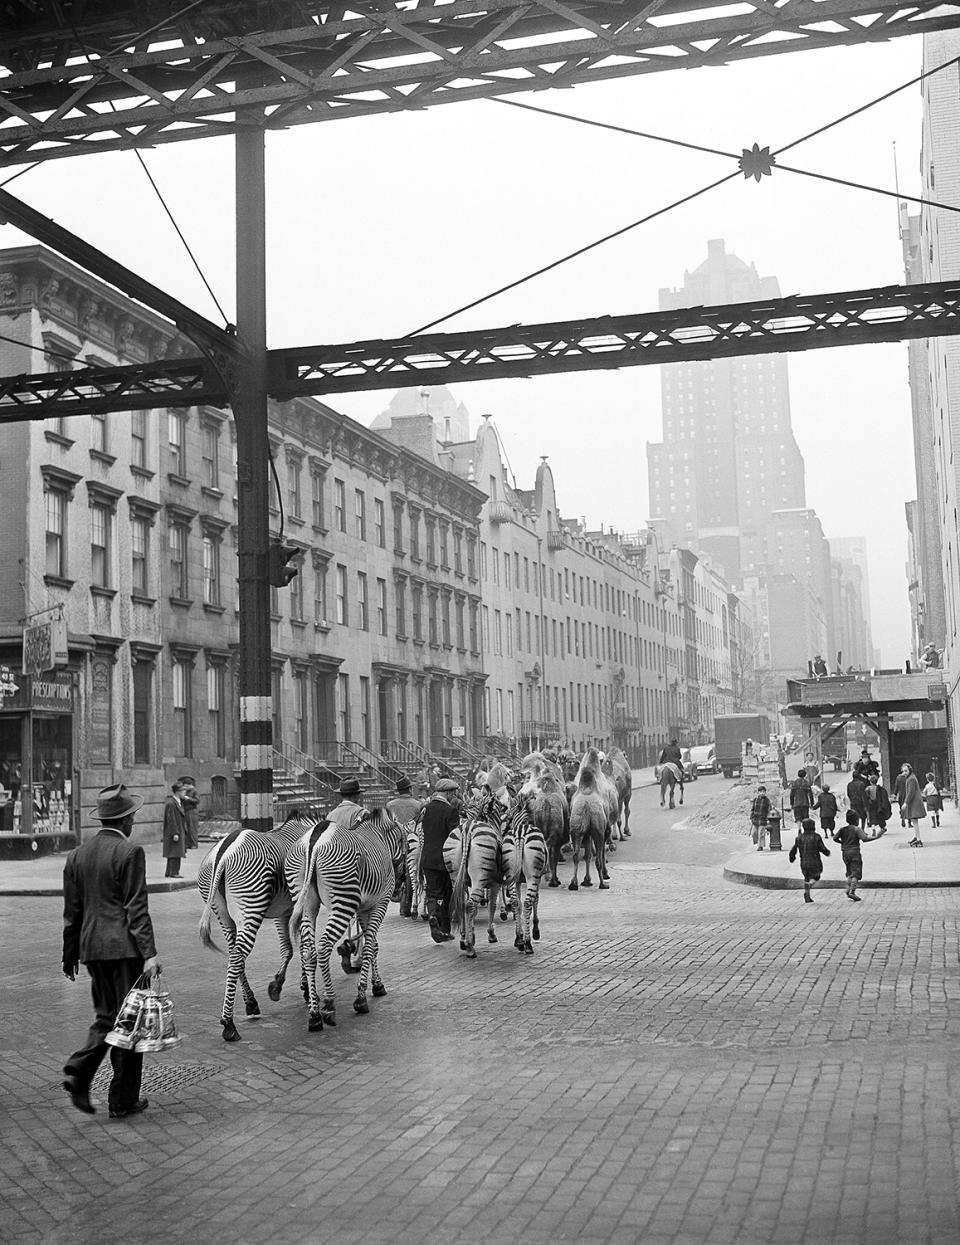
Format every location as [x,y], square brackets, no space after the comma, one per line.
[286,950]
[229,927]
[535,887]
[236,971]
[520,922]
[468,940]
[492,911]
[370,923]
[334,928]
[308,964]
[530,912]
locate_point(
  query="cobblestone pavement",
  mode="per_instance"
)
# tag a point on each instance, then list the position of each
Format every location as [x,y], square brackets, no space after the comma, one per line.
[682,1062]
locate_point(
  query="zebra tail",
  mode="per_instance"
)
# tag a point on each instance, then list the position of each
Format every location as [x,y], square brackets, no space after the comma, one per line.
[206,917]
[460,881]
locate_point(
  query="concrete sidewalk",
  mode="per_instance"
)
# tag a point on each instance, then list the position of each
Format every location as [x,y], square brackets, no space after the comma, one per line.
[889,862]
[44,876]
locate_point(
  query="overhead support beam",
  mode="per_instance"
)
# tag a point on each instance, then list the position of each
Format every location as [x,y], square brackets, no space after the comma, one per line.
[201,330]
[859,317]
[770,326]
[195,81]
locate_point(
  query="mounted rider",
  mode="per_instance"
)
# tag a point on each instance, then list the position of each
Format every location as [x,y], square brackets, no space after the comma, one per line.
[671,754]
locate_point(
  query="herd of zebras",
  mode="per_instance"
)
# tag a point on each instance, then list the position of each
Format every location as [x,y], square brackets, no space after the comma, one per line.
[513,829]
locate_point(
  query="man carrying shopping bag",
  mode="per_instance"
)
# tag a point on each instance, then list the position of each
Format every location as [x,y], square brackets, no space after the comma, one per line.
[107,926]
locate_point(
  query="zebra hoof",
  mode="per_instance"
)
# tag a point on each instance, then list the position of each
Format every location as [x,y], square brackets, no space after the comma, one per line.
[328,1015]
[573,886]
[379,989]
[470,952]
[304,989]
[252,1008]
[360,1005]
[273,990]
[425,916]
[554,882]
[230,1033]
[536,933]
[402,913]
[518,943]
[604,886]
[314,1022]
[612,847]
[527,948]
[588,881]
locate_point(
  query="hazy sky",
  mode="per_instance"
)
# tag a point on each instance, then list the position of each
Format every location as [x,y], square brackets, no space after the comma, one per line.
[379,225]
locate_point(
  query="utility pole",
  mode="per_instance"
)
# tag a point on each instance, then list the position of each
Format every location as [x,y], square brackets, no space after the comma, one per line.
[249,401]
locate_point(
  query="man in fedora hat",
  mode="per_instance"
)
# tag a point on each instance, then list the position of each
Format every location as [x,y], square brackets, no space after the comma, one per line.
[350,809]
[174,830]
[404,808]
[107,926]
[440,817]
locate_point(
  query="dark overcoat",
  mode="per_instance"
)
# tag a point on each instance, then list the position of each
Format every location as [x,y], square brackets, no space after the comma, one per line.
[174,829]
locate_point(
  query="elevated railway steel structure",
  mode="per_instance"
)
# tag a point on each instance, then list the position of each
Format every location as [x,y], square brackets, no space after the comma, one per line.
[84,78]
[227,63]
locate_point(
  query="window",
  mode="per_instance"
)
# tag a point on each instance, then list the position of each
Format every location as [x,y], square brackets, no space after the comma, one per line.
[211,569]
[497,633]
[320,592]
[474,646]
[294,486]
[415,535]
[341,594]
[398,527]
[176,435]
[432,617]
[343,706]
[99,436]
[100,545]
[381,607]
[362,601]
[431,542]
[400,596]
[139,556]
[215,708]
[458,614]
[210,477]
[142,711]
[445,546]
[316,498]
[457,551]
[472,559]
[445,619]
[360,513]
[495,558]
[138,439]
[55,508]
[296,594]
[340,505]
[379,523]
[182,730]
[177,539]
[417,612]
[365,711]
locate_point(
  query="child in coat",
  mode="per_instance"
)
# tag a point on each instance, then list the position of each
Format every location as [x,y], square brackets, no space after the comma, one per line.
[759,812]
[933,799]
[810,847]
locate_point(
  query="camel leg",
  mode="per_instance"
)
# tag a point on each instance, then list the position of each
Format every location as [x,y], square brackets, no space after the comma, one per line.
[554,851]
[575,885]
[602,873]
[588,843]
[626,815]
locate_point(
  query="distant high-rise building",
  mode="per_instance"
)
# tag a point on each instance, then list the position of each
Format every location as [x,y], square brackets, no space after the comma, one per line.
[851,553]
[451,419]
[728,458]
[796,545]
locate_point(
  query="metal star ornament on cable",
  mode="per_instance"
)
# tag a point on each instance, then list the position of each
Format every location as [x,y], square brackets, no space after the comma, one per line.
[757,162]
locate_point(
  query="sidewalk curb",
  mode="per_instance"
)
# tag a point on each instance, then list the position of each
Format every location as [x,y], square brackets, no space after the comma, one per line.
[766,882]
[153,888]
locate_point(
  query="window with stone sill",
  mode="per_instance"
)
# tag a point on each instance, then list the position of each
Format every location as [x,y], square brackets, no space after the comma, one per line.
[177,443]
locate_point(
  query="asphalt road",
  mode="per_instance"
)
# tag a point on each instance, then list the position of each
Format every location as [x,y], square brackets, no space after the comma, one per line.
[682,1062]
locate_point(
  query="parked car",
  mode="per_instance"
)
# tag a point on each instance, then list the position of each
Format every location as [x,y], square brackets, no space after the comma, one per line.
[689,767]
[704,758]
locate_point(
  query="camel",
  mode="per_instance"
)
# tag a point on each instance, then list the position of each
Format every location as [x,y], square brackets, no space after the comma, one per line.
[617,767]
[589,819]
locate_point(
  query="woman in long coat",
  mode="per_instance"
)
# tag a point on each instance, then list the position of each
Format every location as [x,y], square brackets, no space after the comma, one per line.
[912,806]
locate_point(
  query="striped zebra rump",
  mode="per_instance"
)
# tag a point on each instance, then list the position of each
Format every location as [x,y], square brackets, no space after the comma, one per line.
[415,889]
[478,867]
[534,859]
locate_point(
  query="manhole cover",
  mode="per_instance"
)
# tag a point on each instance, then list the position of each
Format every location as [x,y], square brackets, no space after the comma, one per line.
[159,1078]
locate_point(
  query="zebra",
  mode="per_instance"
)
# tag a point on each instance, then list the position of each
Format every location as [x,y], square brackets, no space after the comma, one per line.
[532,852]
[352,872]
[413,895]
[243,881]
[481,856]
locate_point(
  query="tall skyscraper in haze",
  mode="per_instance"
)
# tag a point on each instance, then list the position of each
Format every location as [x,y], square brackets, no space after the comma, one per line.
[728,458]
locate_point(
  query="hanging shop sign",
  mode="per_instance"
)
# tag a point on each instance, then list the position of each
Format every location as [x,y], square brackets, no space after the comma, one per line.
[44,646]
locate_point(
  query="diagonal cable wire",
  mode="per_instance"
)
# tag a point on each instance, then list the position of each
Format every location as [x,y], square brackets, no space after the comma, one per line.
[579,251]
[52,354]
[876,190]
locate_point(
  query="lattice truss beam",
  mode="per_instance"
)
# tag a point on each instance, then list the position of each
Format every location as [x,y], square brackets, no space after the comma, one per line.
[305,62]
[861,317]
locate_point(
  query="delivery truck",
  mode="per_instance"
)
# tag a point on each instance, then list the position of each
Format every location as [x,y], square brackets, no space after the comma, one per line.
[731,730]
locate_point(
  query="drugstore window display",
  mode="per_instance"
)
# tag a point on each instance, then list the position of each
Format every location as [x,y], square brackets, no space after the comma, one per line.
[51,785]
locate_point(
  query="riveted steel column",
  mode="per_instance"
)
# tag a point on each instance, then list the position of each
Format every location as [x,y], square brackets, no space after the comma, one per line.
[253,452]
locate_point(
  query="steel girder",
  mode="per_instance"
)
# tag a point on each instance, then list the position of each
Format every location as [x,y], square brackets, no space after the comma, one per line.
[861,317]
[195,79]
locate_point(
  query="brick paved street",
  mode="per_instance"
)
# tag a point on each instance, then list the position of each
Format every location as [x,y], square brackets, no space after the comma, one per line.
[683,1061]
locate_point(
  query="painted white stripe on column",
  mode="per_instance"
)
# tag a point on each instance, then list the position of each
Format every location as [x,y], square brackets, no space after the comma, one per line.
[255,805]
[255,708]
[256,756]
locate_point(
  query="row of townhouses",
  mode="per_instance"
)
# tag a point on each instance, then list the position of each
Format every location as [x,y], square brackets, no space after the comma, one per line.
[435,603]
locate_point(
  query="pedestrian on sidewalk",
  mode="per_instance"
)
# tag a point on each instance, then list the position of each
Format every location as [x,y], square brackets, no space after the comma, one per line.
[850,836]
[912,807]
[190,799]
[440,817]
[877,800]
[107,926]
[810,847]
[759,813]
[826,806]
[898,785]
[174,831]
[857,795]
[801,796]
[933,799]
